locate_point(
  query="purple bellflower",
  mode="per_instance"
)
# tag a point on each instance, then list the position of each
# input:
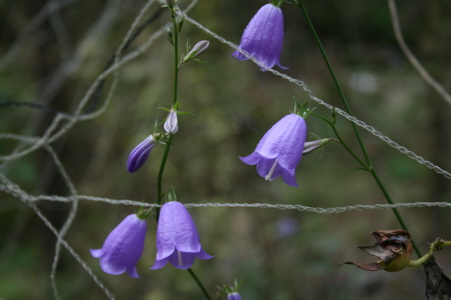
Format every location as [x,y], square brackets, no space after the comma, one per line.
[123,247]
[139,155]
[233,296]
[177,238]
[280,150]
[263,37]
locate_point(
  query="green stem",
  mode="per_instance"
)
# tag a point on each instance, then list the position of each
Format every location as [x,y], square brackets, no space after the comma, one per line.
[160,175]
[354,126]
[176,54]
[169,141]
[342,141]
[199,283]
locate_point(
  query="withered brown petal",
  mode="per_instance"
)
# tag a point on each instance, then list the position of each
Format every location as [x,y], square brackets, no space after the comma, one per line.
[385,254]
[382,235]
[364,266]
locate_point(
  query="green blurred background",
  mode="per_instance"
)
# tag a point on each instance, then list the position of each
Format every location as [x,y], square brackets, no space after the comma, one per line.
[276,254]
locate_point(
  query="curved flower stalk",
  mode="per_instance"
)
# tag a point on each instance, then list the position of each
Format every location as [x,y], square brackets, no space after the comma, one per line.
[139,155]
[177,238]
[123,247]
[263,37]
[279,151]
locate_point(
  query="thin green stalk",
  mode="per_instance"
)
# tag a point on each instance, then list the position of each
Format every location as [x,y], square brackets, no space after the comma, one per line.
[357,134]
[169,140]
[201,286]
[342,141]
[176,54]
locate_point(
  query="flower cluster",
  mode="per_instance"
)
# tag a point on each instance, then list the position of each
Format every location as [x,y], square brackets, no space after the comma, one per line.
[177,242]
[277,155]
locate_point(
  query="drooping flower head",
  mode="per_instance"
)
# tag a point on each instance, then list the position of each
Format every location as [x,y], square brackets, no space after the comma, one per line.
[263,37]
[232,291]
[233,296]
[139,155]
[280,150]
[177,238]
[123,247]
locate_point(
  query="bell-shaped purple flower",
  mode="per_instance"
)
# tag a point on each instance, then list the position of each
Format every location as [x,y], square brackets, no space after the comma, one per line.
[233,296]
[177,238]
[123,247]
[280,150]
[139,155]
[263,37]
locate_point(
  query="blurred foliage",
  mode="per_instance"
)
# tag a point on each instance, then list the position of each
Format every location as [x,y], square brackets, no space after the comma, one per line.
[233,104]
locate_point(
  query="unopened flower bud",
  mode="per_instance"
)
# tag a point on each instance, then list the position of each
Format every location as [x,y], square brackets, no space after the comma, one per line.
[309,147]
[139,155]
[171,124]
[197,50]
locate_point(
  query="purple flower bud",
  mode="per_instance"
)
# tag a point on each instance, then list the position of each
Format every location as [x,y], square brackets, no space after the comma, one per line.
[139,155]
[234,296]
[280,150]
[177,238]
[309,147]
[263,37]
[123,247]
[171,125]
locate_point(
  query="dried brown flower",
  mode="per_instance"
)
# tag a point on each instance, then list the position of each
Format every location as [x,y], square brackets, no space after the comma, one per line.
[393,249]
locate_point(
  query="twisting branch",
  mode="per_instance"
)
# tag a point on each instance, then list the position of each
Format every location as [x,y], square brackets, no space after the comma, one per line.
[413,60]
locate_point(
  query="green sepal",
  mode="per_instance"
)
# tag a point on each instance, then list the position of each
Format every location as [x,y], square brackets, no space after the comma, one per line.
[184,113]
[333,117]
[170,36]
[143,213]
[180,24]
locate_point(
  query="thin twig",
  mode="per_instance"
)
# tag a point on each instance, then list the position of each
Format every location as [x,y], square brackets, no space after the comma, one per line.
[413,60]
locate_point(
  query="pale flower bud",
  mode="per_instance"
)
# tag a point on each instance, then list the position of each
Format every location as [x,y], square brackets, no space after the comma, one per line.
[171,125]
[197,50]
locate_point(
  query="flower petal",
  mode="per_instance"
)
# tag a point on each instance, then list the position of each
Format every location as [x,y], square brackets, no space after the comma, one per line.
[203,255]
[182,260]
[158,264]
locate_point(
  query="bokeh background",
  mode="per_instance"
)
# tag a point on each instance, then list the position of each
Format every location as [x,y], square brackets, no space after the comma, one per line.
[276,254]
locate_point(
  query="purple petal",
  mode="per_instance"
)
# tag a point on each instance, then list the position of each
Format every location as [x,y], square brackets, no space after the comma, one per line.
[182,260]
[289,177]
[158,264]
[203,255]
[252,159]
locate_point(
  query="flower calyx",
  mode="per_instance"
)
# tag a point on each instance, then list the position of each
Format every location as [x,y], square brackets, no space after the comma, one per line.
[197,50]
[393,249]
